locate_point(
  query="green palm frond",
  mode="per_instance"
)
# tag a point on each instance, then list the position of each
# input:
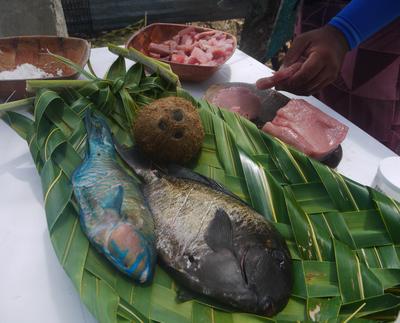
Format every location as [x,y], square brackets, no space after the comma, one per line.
[343,237]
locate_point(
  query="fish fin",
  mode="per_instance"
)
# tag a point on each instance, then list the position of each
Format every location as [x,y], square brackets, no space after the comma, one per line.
[219,232]
[185,173]
[132,156]
[114,199]
[135,159]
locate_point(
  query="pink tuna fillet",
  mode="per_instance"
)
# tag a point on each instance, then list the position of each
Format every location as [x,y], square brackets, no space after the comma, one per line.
[239,100]
[307,128]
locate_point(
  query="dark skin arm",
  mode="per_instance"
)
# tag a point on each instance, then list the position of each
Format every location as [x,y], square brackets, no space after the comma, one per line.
[313,61]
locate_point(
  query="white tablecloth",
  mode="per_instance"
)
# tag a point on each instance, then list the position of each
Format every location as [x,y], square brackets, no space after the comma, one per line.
[34,287]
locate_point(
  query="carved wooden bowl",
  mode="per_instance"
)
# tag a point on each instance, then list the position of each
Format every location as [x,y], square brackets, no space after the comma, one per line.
[34,50]
[159,32]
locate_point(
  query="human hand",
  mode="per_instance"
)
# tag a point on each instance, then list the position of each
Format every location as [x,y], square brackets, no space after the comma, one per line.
[313,61]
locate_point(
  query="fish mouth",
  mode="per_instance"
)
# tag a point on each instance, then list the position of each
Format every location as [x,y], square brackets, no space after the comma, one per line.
[98,132]
[257,266]
[131,252]
[245,283]
[263,304]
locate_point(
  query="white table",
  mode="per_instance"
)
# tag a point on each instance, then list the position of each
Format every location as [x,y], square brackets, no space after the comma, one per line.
[33,285]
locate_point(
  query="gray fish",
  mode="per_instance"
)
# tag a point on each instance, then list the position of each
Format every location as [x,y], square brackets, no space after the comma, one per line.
[212,242]
[113,213]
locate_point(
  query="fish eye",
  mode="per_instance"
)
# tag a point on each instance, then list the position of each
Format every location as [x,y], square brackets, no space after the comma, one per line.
[191,258]
[280,257]
[267,304]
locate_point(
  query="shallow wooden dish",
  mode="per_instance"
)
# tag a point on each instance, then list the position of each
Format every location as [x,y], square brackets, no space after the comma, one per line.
[33,50]
[159,32]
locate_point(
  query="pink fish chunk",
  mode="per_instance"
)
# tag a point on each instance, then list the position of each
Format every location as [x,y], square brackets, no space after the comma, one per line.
[307,128]
[188,46]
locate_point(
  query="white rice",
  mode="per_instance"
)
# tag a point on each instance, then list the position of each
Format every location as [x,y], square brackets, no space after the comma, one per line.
[27,71]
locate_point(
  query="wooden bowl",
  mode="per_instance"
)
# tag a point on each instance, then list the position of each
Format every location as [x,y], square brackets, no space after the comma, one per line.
[15,51]
[159,32]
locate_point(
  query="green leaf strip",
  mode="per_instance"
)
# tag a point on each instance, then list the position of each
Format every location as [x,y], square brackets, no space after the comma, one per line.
[152,64]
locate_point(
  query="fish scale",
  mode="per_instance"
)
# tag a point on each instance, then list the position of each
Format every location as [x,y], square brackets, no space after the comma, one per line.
[113,213]
[212,242]
[173,212]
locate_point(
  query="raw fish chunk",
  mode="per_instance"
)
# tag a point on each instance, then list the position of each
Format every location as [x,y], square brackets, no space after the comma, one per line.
[209,48]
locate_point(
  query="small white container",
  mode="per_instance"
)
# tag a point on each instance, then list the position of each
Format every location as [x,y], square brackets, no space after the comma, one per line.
[387,178]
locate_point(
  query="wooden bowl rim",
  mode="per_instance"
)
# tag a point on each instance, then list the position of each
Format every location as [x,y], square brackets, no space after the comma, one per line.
[83,61]
[135,34]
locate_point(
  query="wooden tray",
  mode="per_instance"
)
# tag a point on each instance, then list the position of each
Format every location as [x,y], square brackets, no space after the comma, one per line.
[33,50]
[159,32]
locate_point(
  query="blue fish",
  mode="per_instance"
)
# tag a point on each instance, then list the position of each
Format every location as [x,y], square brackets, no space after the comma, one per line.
[113,212]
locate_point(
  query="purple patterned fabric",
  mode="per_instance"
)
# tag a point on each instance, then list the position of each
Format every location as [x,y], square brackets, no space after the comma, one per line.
[368,90]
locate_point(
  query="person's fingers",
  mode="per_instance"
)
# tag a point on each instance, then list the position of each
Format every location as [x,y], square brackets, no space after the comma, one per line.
[309,70]
[325,77]
[320,54]
[320,85]
[266,82]
[271,81]
[284,85]
[313,85]
[306,77]
[296,51]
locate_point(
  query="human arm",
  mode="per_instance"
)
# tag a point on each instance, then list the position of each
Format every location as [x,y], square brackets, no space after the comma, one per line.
[360,19]
[315,58]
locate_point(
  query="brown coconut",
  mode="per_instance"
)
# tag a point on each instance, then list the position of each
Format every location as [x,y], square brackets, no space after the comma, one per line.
[169,130]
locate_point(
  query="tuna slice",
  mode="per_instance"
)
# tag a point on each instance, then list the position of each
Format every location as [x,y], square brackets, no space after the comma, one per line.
[246,100]
[307,128]
[240,100]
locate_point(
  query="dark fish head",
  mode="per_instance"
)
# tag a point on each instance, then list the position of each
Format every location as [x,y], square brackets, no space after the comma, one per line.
[268,273]
[99,135]
[249,271]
